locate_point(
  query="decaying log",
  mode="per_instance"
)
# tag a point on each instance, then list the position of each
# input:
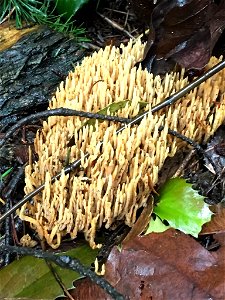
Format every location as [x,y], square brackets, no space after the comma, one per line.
[31,69]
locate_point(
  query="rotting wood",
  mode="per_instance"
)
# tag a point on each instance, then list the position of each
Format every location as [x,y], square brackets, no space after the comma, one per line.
[31,69]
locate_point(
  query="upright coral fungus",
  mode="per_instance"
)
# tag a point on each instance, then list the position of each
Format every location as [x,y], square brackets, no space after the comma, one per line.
[122,169]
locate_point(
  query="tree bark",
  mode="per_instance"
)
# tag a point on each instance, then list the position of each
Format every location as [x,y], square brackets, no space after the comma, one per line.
[30,71]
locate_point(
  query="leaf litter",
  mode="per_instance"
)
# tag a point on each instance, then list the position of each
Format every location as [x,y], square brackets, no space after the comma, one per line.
[217,224]
[159,249]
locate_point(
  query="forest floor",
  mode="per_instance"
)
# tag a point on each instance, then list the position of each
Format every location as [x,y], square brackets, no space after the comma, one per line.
[144,267]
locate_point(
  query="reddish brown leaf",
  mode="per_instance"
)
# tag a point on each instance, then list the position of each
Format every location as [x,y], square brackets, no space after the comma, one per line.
[87,290]
[165,266]
[217,224]
[182,32]
[142,221]
[220,253]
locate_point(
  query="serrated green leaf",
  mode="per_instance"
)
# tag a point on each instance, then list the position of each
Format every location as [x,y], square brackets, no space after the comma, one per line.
[30,277]
[156,226]
[182,207]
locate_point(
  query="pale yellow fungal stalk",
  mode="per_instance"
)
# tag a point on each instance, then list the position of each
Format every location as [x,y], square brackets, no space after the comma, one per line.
[119,174]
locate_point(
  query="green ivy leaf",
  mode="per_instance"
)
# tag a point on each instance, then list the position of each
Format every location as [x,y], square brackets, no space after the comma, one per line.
[182,207]
[156,226]
[30,277]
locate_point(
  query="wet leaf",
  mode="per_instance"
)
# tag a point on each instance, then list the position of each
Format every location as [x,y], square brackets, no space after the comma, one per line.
[182,207]
[86,290]
[168,265]
[182,32]
[220,253]
[30,277]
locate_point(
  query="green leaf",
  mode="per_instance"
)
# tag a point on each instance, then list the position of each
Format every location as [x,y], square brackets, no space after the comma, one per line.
[156,226]
[30,277]
[182,207]
[68,8]
[113,108]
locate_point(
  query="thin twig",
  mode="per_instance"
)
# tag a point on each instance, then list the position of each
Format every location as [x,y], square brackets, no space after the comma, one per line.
[65,112]
[121,12]
[8,16]
[191,142]
[125,22]
[8,235]
[59,280]
[216,180]
[116,25]
[8,223]
[55,274]
[65,261]
[184,163]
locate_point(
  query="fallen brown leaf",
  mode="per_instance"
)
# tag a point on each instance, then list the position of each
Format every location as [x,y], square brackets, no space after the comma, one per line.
[217,224]
[165,266]
[87,290]
[182,32]
[142,222]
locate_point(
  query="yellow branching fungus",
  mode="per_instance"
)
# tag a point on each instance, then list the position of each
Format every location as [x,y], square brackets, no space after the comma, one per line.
[117,177]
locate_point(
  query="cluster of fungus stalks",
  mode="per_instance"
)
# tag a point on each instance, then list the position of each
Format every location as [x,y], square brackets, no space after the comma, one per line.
[122,169]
